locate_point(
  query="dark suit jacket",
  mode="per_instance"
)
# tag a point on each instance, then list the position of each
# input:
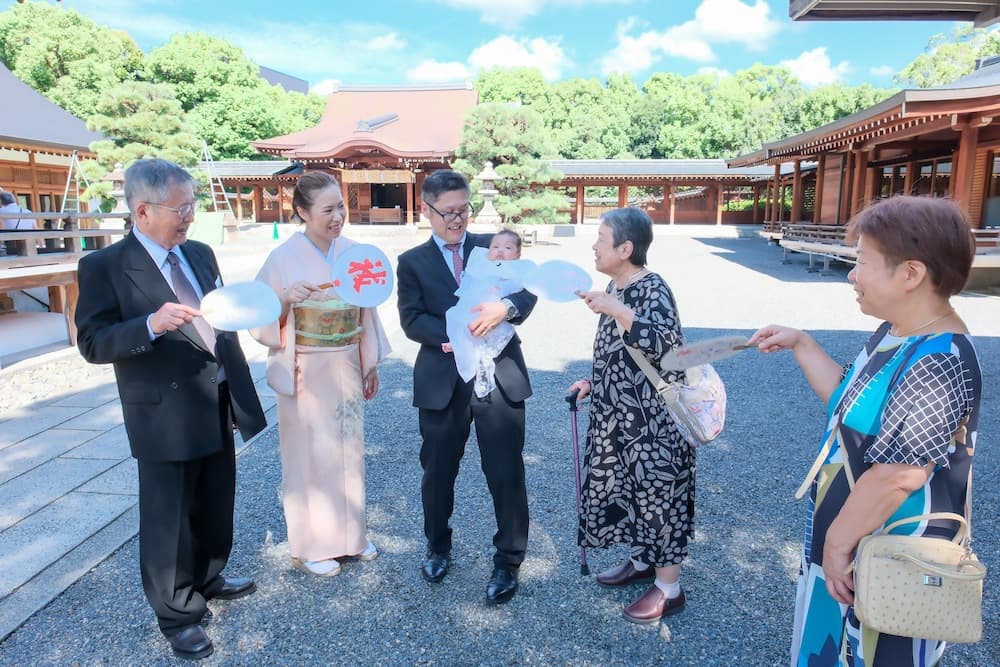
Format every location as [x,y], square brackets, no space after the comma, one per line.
[426,290]
[168,388]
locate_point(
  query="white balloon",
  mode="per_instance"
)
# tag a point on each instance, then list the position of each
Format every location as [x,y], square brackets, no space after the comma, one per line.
[241,306]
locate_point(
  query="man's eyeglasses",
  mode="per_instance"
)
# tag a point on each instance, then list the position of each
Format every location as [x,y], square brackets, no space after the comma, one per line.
[184,211]
[452,216]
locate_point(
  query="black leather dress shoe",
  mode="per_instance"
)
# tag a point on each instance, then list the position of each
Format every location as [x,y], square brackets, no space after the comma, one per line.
[235,587]
[435,567]
[502,586]
[191,643]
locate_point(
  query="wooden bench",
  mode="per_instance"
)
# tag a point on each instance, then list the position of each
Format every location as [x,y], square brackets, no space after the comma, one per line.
[25,265]
[987,240]
[60,279]
[826,241]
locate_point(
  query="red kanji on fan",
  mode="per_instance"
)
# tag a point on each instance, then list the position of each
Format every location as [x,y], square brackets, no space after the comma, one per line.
[365,274]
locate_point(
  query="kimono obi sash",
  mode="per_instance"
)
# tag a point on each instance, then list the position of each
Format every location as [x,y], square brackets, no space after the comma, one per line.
[329,323]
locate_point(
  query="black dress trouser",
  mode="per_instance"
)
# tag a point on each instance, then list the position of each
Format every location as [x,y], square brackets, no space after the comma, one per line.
[186,528]
[500,433]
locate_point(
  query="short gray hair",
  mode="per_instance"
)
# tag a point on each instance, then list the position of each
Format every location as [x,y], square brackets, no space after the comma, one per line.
[630,224]
[150,180]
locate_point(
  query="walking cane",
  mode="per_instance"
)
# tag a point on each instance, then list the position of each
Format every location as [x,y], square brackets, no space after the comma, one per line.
[571,399]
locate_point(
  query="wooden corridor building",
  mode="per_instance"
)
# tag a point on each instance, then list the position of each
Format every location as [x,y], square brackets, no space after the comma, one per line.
[941,141]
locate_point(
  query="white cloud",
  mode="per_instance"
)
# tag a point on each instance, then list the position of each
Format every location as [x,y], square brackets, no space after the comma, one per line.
[325,87]
[715,22]
[389,42]
[734,21]
[813,68]
[509,13]
[882,70]
[505,51]
[717,72]
[433,71]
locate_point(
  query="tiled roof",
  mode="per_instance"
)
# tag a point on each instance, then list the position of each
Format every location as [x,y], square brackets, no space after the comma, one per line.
[28,117]
[405,121]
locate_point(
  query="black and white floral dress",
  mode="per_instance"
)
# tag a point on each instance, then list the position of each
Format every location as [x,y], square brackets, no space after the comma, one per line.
[639,472]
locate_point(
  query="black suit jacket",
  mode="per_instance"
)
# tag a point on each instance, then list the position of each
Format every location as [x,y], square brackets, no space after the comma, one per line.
[426,290]
[168,389]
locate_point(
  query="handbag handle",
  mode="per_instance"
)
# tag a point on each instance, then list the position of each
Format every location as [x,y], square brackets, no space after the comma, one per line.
[978,575]
[963,525]
[640,359]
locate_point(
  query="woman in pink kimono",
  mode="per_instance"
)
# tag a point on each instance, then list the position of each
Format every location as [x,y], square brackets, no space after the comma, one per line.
[322,364]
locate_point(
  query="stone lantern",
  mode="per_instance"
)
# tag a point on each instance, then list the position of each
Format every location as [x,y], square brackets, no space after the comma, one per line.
[117,178]
[488,215]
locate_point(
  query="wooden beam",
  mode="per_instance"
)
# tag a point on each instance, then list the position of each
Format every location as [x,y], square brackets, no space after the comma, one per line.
[580,200]
[910,178]
[622,196]
[673,204]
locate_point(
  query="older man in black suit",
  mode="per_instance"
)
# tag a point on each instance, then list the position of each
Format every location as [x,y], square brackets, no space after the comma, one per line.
[428,276]
[182,385]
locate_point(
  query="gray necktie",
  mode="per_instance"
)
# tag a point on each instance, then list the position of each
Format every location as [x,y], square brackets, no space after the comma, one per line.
[456,260]
[186,295]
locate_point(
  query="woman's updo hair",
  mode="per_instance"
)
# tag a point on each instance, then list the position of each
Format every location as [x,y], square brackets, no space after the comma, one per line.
[630,224]
[305,190]
[931,230]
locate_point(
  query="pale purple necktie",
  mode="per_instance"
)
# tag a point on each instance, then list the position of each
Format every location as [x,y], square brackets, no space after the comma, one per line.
[186,295]
[456,260]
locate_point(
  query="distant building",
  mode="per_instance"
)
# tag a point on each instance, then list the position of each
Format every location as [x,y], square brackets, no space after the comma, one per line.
[291,84]
[983,12]
[380,142]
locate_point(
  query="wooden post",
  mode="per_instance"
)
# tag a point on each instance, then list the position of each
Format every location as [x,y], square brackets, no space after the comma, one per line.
[579,203]
[963,164]
[796,212]
[844,204]
[410,202]
[776,203]
[818,195]
[858,186]
[258,202]
[622,196]
[756,203]
[673,203]
[719,195]
[911,177]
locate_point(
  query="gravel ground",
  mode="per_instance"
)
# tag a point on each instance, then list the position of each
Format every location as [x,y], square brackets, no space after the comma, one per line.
[740,575]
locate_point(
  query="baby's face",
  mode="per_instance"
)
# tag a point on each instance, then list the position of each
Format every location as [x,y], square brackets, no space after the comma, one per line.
[504,247]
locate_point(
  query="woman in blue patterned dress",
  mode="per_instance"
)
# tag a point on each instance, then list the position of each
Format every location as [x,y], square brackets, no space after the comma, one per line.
[639,483]
[905,414]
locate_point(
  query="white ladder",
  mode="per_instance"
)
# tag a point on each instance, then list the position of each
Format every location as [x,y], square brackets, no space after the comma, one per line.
[71,193]
[220,200]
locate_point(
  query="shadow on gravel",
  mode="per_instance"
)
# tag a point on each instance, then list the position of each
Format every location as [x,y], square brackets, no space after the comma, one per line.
[758,255]
[739,578]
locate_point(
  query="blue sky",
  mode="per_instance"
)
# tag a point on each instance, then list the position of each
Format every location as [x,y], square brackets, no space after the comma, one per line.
[414,41]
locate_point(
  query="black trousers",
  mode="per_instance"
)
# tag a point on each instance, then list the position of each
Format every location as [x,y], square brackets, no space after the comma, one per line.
[500,433]
[186,528]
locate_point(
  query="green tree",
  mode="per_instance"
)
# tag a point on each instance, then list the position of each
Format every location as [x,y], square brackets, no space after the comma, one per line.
[515,141]
[65,56]
[201,68]
[524,85]
[948,57]
[141,119]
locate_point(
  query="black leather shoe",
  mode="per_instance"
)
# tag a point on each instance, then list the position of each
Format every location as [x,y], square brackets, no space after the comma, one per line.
[435,567]
[502,586]
[191,643]
[235,587]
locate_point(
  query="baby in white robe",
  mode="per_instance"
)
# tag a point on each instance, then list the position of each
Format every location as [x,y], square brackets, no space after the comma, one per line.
[497,275]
